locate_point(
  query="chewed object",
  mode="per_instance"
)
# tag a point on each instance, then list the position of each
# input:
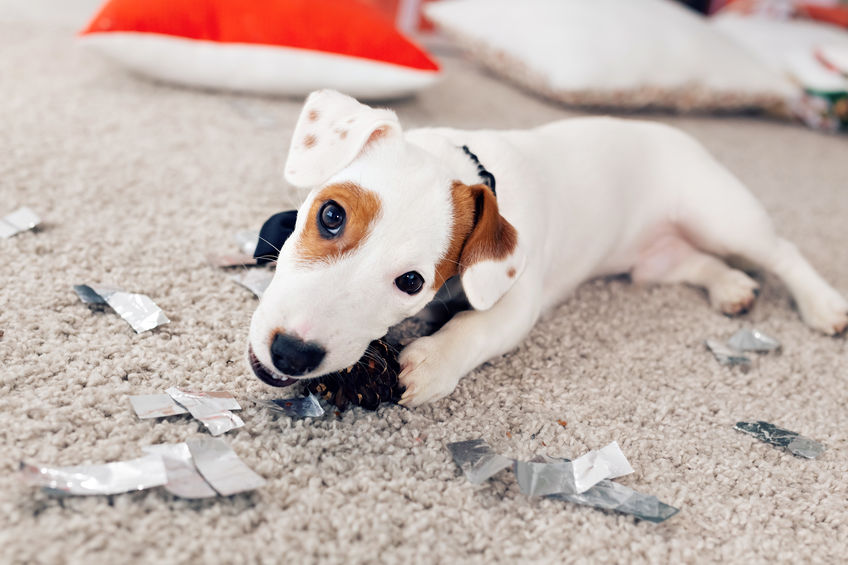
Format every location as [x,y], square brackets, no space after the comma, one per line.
[727,355]
[22,219]
[477,460]
[183,478]
[791,441]
[155,406]
[139,311]
[110,478]
[307,407]
[256,280]
[752,340]
[211,408]
[221,467]
[583,481]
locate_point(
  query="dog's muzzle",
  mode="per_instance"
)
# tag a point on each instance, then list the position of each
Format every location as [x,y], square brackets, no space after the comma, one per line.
[264,374]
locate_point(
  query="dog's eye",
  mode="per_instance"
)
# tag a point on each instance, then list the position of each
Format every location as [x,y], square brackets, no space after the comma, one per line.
[410,282]
[331,219]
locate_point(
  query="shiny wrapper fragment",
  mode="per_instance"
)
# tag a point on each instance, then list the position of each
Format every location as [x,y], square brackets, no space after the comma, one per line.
[727,355]
[255,280]
[110,478]
[477,460]
[20,220]
[183,478]
[752,340]
[791,441]
[221,467]
[306,407]
[609,495]
[139,311]
[211,408]
[552,476]
[559,478]
[155,406]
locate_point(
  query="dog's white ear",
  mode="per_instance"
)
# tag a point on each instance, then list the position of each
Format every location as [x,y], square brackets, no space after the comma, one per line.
[332,130]
[492,258]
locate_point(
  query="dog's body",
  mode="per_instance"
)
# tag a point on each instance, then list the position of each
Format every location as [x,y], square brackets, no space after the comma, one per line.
[576,199]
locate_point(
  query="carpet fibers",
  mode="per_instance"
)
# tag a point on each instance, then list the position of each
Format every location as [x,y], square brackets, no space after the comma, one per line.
[137,181]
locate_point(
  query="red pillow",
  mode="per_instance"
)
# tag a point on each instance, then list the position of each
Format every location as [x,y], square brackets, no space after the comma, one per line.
[267,46]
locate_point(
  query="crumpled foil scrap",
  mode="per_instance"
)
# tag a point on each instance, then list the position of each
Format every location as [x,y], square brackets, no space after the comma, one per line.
[110,478]
[793,442]
[199,468]
[140,312]
[221,467]
[734,351]
[583,481]
[306,407]
[254,280]
[22,219]
[211,408]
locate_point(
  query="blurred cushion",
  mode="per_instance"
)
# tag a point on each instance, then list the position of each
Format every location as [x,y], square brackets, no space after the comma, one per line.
[289,47]
[630,54]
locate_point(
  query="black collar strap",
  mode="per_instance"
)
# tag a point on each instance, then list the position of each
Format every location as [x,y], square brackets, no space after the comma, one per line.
[488,178]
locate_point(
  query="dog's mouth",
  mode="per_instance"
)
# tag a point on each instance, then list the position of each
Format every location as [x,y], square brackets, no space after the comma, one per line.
[264,374]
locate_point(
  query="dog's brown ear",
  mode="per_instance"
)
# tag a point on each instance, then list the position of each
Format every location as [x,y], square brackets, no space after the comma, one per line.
[332,131]
[491,259]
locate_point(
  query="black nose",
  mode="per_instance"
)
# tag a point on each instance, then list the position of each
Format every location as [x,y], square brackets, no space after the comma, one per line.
[293,356]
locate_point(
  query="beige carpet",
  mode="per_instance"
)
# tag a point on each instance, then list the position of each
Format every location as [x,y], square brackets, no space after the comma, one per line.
[137,181]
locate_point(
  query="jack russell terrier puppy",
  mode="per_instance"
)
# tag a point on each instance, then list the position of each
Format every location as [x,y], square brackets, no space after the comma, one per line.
[392,215]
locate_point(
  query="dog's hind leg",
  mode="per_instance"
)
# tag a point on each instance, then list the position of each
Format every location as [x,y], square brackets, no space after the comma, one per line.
[722,218]
[671,259]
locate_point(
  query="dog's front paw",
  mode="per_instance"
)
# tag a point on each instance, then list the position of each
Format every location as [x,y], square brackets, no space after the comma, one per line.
[734,293]
[826,313]
[425,373]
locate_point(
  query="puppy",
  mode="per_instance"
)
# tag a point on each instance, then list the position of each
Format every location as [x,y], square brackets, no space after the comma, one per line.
[521,217]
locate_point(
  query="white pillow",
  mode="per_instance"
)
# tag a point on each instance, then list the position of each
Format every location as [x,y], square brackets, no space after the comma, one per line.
[613,53]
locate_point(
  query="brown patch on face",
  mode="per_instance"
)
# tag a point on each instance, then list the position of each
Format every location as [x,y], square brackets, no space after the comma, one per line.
[511,272]
[309,141]
[313,115]
[361,208]
[479,232]
[343,133]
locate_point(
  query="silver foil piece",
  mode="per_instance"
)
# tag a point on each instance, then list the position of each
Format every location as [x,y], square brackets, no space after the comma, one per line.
[20,220]
[726,355]
[138,310]
[211,408]
[606,463]
[307,407]
[752,340]
[247,241]
[553,476]
[109,478]
[221,467]
[183,478]
[255,280]
[155,406]
[477,460]
[791,441]
[608,495]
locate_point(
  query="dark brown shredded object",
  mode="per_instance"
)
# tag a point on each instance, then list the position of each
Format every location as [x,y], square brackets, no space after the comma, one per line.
[369,383]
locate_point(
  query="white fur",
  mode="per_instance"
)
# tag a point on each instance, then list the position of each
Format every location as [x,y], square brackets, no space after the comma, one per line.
[588,197]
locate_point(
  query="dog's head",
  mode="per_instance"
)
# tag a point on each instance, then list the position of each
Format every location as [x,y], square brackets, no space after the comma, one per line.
[385,224]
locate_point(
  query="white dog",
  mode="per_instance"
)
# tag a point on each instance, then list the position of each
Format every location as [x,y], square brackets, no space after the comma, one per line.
[391,216]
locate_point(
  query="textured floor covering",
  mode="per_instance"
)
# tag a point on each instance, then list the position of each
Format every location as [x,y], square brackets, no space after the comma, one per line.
[137,181]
